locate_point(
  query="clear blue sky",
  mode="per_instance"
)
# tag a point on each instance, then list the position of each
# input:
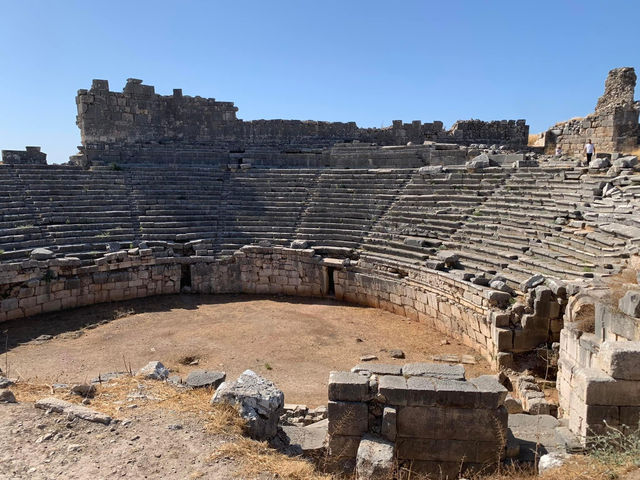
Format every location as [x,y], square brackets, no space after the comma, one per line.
[369,61]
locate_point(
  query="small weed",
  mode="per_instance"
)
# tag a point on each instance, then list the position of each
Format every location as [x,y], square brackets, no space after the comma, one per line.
[267,366]
[1,251]
[587,269]
[115,167]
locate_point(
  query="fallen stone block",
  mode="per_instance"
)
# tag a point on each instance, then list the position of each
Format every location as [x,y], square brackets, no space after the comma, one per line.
[7,396]
[374,459]
[41,254]
[73,410]
[204,379]
[259,401]
[630,304]
[154,371]
[449,372]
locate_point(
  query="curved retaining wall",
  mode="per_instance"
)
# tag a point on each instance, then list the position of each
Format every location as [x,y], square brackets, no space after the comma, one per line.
[478,316]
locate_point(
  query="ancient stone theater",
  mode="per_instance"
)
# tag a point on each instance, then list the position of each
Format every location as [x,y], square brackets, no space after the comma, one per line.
[521,253]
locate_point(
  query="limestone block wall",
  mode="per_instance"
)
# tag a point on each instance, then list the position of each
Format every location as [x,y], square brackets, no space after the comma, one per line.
[614,131]
[262,270]
[513,133]
[436,420]
[613,127]
[459,308]
[137,123]
[32,287]
[598,377]
[28,156]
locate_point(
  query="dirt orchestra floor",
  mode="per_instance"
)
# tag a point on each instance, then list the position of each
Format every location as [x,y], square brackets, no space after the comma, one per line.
[294,342]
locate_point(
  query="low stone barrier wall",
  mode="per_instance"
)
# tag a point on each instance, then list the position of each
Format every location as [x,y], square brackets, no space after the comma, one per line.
[437,421]
[33,287]
[484,319]
[598,377]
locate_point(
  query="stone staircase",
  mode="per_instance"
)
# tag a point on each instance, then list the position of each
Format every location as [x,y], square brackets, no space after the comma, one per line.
[263,205]
[74,212]
[345,204]
[428,211]
[176,205]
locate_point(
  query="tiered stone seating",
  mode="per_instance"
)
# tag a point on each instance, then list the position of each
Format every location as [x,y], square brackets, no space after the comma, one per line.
[20,229]
[263,204]
[429,210]
[176,204]
[345,204]
[516,231]
[78,211]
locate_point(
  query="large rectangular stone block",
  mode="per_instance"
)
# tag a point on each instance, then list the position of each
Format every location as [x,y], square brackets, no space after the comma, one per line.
[452,423]
[621,360]
[341,446]
[449,450]
[348,386]
[435,370]
[594,387]
[348,418]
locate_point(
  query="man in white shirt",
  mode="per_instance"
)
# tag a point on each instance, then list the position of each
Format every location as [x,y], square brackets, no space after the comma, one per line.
[589,149]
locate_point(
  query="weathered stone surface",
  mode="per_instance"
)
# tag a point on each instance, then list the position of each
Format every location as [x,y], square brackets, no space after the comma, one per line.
[621,360]
[479,162]
[204,378]
[7,396]
[630,303]
[311,438]
[532,282]
[348,418]
[299,244]
[348,386]
[259,401]
[600,163]
[375,459]
[378,368]
[41,254]
[549,461]
[154,371]
[396,353]
[434,370]
[513,405]
[430,170]
[389,425]
[84,390]
[72,410]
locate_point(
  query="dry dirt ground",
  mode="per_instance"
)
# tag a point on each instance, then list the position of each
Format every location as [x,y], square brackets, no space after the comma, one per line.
[293,342]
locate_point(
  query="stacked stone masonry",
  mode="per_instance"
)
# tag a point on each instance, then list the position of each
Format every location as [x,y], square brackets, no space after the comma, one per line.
[598,375]
[139,126]
[613,127]
[437,421]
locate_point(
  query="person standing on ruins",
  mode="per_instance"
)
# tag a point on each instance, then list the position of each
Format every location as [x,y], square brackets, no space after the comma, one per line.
[589,149]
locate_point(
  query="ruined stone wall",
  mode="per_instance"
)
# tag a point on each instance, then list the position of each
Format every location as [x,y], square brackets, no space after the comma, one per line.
[598,380]
[138,125]
[613,127]
[513,133]
[429,417]
[261,270]
[33,287]
[29,156]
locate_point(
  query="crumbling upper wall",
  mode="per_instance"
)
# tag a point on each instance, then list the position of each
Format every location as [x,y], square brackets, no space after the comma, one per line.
[514,133]
[28,156]
[119,126]
[613,127]
[618,90]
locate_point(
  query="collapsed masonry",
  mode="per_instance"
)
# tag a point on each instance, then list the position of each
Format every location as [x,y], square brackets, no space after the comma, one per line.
[613,127]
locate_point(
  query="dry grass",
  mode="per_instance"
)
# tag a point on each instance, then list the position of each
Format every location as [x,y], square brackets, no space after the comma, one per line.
[619,284]
[636,152]
[110,396]
[258,458]
[533,138]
